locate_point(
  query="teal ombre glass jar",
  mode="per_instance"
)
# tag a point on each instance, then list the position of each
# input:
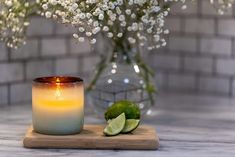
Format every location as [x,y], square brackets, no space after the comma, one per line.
[58,105]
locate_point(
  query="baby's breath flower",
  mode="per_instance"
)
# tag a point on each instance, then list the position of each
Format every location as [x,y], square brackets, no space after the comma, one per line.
[128,22]
[14,21]
[222,5]
[119,20]
[132,22]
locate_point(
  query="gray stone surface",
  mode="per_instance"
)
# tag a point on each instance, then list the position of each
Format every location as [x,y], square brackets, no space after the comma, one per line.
[187,125]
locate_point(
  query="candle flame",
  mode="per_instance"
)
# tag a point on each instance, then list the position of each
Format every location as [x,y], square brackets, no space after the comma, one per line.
[58,93]
[57,80]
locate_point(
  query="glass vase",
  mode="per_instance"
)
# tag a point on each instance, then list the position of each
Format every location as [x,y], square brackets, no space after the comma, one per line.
[119,79]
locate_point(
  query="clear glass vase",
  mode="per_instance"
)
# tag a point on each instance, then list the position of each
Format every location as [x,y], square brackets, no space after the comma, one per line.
[119,80]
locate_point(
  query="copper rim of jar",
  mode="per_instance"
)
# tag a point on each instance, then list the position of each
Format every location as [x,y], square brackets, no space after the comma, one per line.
[53,80]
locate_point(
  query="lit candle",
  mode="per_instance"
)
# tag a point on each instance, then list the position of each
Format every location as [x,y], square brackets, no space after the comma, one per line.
[58,105]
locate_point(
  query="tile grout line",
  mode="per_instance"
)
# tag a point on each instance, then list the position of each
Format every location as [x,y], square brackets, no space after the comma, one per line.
[231,83]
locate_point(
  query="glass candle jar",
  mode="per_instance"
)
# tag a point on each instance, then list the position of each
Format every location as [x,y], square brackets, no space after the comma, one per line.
[58,105]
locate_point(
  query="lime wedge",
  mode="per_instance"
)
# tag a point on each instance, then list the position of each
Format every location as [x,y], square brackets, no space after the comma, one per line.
[130,109]
[130,125]
[115,126]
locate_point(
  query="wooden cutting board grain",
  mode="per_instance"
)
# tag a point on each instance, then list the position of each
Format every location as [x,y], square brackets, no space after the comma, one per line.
[143,138]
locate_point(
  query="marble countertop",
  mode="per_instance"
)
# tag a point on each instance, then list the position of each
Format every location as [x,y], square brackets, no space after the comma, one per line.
[188,125]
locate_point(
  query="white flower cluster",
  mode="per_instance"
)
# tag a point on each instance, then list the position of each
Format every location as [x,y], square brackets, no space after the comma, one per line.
[125,22]
[222,5]
[13,21]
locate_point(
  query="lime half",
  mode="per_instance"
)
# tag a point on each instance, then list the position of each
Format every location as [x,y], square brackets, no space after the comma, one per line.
[130,125]
[115,126]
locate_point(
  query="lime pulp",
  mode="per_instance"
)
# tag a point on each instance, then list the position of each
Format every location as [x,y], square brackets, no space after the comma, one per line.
[130,125]
[115,126]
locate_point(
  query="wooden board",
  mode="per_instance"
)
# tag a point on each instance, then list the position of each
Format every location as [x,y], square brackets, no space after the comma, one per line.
[144,137]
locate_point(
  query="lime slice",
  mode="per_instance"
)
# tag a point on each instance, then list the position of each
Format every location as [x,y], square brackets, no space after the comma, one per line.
[130,109]
[115,126]
[130,125]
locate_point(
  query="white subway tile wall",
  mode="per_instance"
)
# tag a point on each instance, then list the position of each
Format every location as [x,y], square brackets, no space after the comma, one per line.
[226,27]
[173,24]
[220,46]
[182,43]
[11,72]
[199,25]
[202,44]
[226,67]
[198,64]
[233,90]
[79,48]
[161,80]
[39,68]
[199,57]
[30,50]
[53,47]
[214,85]
[41,26]
[181,82]
[3,52]
[65,66]
[88,63]
[4,95]
[162,61]
[20,92]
